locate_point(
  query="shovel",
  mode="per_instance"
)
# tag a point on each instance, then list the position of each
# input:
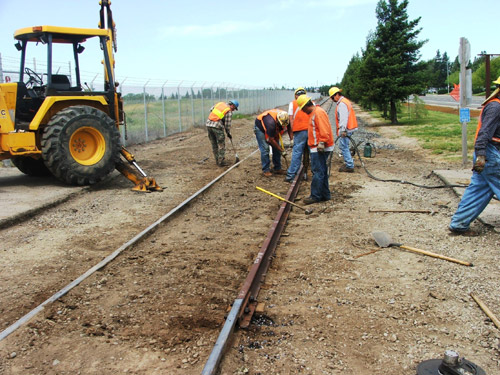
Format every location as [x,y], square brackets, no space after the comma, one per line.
[237,158]
[384,240]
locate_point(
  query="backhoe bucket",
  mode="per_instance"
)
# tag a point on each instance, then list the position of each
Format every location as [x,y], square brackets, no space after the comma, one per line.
[142,182]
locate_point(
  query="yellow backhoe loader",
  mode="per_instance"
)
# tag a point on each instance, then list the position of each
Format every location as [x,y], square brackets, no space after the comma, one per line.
[51,124]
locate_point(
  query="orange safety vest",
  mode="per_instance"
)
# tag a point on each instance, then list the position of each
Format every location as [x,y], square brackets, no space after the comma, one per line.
[301,119]
[274,115]
[320,129]
[480,122]
[352,123]
[219,111]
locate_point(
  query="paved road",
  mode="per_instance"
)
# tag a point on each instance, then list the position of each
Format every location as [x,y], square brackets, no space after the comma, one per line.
[448,101]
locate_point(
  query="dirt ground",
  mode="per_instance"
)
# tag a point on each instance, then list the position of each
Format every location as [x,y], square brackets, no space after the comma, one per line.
[158,307]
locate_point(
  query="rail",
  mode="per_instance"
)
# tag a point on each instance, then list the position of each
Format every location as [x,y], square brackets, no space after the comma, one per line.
[245,303]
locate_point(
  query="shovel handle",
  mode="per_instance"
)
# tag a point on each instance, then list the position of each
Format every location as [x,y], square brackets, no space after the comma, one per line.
[436,255]
[277,196]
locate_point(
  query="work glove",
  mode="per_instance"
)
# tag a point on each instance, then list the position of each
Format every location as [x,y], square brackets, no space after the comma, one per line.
[479,164]
[229,135]
[321,147]
[291,142]
[283,153]
[343,134]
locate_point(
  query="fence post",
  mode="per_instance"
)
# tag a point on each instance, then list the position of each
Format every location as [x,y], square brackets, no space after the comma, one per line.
[192,102]
[92,83]
[70,75]
[202,103]
[179,105]
[145,111]
[163,107]
[1,69]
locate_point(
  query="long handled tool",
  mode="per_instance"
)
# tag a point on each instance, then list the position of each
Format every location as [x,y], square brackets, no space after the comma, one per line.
[384,240]
[283,155]
[237,158]
[306,210]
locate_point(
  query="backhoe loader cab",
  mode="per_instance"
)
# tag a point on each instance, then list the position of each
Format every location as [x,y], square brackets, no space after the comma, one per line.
[51,123]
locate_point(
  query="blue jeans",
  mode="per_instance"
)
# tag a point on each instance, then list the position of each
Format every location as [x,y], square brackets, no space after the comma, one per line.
[264,152]
[299,144]
[346,153]
[320,190]
[478,194]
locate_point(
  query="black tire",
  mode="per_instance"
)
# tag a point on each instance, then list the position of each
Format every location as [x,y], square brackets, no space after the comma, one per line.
[81,145]
[31,166]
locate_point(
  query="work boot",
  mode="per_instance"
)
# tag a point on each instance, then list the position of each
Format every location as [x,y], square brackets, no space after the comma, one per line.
[310,200]
[345,169]
[288,179]
[267,174]
[465,233]
[279,171]
[223,163]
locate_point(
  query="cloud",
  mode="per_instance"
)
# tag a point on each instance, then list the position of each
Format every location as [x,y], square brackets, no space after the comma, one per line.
[207,31]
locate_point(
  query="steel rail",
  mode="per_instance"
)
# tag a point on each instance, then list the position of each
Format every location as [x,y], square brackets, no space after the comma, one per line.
[10,329]
[245,303]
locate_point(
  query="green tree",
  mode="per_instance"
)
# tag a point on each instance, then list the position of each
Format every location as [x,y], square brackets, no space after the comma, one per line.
[351,84]
[391,60]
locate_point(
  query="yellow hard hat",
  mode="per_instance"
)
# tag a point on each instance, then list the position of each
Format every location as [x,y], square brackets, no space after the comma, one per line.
[303,100]
[333,91]
[497,82]
[283,118]
[300,91]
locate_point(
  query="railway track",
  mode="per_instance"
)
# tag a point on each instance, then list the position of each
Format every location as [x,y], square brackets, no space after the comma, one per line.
[59,305]
[159,306]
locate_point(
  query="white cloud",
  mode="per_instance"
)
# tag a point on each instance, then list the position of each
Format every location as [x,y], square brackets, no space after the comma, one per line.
[222,28]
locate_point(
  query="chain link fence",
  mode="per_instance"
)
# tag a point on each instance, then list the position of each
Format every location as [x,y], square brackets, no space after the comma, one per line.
[159,111]
[155,108]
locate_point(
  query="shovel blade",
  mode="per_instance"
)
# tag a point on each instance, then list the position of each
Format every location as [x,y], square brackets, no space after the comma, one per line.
[382,239]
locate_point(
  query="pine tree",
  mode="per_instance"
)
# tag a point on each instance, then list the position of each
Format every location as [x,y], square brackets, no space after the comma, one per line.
[391,59]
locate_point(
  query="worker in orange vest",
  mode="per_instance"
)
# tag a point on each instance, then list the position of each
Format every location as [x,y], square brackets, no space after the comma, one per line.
[320,142]
[219,120]
[299,122]
[485,180]
[345,118]
[269,127]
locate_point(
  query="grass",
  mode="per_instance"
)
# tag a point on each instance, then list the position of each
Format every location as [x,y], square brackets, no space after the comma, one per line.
[440,133]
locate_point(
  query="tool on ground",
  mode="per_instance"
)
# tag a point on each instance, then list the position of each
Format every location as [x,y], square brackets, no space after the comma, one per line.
[237,158]
[306,210]
[451,364]
[402,211]
[384,240]
[486,310]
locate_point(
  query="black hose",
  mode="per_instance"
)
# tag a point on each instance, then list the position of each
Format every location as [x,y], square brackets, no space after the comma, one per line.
[395,180]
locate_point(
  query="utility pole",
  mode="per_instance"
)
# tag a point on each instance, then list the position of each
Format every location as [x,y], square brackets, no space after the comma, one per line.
[487,60]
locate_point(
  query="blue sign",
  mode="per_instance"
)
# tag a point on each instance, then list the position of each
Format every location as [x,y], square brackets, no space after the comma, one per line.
[464,115]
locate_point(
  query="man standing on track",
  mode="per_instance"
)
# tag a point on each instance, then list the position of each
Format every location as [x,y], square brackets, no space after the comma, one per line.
[345,119]
[269,126]
[219,120]
[299,122]
[485,180]
[320,141]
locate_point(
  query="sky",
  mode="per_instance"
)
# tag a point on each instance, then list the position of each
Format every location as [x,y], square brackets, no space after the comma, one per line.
[250,44]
